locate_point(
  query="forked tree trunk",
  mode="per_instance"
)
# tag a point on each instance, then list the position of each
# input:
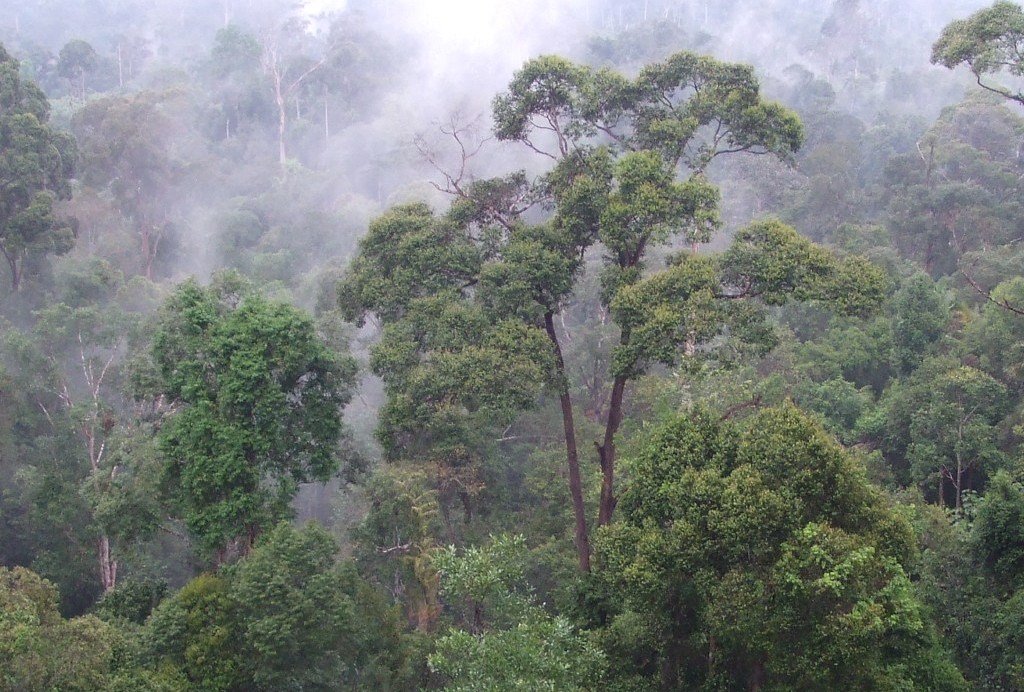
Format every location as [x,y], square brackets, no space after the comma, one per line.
[571,451]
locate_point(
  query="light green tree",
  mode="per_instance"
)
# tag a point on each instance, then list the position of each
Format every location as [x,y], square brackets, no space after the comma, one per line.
[508,641]
[988,42]
[40,650]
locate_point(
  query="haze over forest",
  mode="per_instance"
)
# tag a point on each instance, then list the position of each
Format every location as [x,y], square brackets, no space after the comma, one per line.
[580,345]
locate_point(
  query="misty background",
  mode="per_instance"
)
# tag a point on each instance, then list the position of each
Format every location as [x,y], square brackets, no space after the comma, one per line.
[203,175]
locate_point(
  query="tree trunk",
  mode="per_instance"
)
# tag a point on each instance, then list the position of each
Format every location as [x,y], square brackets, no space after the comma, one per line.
[757,677]
[12,262]
[282,156]
[108,566]
[959,482]
[571,451]
[606,452]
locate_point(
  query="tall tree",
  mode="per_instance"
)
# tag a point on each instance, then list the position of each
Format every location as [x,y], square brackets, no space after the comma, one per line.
[76,59]
[36,167]
[133,151]
[628,175]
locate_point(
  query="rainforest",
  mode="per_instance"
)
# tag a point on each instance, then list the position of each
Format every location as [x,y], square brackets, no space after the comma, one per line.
[575,345]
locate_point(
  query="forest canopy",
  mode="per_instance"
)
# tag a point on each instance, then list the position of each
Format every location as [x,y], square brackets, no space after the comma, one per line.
[662,345]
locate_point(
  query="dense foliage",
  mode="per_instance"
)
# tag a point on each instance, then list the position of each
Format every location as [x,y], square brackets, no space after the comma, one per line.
[602,348]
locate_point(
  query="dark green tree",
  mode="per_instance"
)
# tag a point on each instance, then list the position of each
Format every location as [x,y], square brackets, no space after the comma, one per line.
[760,558]
[258,398]
[287,617]
[937,428]
[36,167]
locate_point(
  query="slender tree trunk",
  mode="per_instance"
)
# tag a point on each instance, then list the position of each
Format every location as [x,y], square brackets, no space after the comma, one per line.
[108,566]
[15,265]
[282,155]
[959,481]
[571,451]
[606,451]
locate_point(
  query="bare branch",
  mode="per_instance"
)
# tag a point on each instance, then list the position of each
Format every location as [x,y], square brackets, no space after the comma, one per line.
[403,549]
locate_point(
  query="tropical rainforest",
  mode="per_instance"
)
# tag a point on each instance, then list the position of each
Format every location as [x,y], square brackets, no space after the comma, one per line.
[577,345]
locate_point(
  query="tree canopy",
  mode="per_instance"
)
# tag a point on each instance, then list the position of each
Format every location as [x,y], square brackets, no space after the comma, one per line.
[257,398]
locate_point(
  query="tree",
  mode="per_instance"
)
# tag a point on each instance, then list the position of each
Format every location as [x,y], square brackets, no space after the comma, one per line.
[629,158]
[258,397]
[453,368]
[988,42]
[998,335]
[70,364]
[759,557]
[36,167]
[41,650]
[286,74]
[939,425]
[920,315]
[287,617]
[957,195]
[132,150]
[76,58]
[296,607]
[508,642]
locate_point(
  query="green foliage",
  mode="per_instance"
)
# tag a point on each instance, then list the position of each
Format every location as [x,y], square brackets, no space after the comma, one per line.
[997,336]
[988,41]
[938,426]
[196,632]
[958,195]
[36,167]
[999,531]
[454,364]
[978,618]
[512,643]
[39,650]
[761,556]
[296,610]
[287,617]
[260,399]
[920,315]
[133,600]
[712,307]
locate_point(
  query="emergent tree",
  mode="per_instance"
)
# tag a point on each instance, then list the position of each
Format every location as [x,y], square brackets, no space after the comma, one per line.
[629,158]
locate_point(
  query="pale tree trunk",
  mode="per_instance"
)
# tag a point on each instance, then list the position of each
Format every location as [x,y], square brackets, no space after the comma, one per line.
[91,430]
[272,66]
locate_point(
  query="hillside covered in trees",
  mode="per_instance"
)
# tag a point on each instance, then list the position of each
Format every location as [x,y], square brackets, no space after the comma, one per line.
[647,345]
